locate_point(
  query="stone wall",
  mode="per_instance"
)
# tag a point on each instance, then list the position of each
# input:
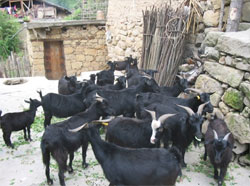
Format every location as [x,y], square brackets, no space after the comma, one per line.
[84,48]
[124,27]
[227,78]
[210,19]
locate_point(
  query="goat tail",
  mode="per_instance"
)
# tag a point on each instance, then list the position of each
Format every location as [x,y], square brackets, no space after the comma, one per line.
[40,94]
[177,153]
[45,152]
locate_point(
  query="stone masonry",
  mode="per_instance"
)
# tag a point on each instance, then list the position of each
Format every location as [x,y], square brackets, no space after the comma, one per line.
[124,27]
[84,49]
[227,78]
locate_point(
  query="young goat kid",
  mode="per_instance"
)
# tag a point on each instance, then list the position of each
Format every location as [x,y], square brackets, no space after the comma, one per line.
[125,166]
[218,145]
[18,121]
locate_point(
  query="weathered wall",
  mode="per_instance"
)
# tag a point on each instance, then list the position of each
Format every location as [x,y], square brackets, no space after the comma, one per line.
[125,24]
[84,49]
[227,78]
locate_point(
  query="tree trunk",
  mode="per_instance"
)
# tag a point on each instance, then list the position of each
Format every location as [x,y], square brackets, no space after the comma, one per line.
[234,15]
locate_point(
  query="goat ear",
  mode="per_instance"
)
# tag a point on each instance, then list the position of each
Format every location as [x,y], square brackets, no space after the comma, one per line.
[26,101]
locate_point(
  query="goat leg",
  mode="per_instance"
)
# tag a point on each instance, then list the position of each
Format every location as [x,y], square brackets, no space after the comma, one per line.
[205,155]
[71,157]
[215,173]
[61,176]
[25,136]
[84,154]
[47,120]
[223,171]
[47,172]
[6,137]
[183,164]
[28,129]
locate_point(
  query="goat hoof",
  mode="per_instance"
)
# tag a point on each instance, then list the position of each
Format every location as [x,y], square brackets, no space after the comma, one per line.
[50,182]
[183,165]
[85,165]
[216,177]
[26,139]
[30,139]
[70,170]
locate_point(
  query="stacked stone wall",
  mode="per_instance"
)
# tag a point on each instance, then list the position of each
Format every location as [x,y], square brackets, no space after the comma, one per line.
[84,48]
[125,26]
[227,78]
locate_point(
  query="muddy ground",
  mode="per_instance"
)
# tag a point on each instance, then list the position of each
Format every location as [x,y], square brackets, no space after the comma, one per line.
[23,165]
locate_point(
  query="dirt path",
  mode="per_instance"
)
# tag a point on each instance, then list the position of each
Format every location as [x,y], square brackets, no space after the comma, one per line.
[23,165]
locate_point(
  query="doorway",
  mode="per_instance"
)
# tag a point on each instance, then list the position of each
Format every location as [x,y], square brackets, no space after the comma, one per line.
[54,61]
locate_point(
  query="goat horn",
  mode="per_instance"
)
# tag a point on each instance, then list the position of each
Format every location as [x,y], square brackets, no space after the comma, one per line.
[215,135]
[201,107]
[189,110]
[99,98]
[226,136]
[194,90]
[179,76]
[147,76]
[152,113]
[162,118]
[79,128]
[103,120]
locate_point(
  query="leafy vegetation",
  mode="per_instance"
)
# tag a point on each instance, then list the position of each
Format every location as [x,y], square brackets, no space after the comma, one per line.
[8,41]
[76,15]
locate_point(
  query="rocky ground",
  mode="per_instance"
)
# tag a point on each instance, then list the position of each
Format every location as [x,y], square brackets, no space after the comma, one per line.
[23,165]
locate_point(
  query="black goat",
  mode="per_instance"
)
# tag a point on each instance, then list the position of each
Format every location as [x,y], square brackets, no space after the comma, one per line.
[193,102]
[125,166]
[218,145]
[180,85]
[188,128]
[132,132]
[150,72]
[62,105]
[106,76]
[19,121]
[59,142]
[68,85]
[127,63]
[122,101]
[120,84]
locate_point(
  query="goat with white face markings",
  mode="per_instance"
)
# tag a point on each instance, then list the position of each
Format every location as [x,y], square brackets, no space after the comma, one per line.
[132,132]
[181,129]
[218,145]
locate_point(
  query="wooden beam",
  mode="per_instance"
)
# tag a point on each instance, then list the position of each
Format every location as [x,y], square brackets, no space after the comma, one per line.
[45,24]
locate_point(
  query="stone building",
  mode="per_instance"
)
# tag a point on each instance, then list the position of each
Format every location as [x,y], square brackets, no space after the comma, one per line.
[66,47]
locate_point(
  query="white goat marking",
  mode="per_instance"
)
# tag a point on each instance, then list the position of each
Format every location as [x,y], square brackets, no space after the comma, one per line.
[154,125]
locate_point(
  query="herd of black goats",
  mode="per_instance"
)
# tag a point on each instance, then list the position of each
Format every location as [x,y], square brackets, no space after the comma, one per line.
[148,117]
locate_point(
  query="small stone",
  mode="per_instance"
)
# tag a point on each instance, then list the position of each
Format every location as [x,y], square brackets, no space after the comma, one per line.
[229,61]
[224,108]
[222,60]
[212,53]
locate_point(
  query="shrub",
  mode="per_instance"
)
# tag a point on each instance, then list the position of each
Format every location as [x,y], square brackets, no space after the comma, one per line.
[8,42]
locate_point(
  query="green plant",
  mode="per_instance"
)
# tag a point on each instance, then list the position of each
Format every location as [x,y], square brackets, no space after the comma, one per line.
[76,15]
[8,40]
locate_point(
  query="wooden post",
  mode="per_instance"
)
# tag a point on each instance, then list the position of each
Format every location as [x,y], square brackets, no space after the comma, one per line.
[222,6]
[234,15]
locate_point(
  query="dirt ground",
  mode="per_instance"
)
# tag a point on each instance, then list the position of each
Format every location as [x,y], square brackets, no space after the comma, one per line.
[23,165]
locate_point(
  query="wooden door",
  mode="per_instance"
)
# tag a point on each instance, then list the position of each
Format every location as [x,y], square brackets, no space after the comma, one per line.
[54,60]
